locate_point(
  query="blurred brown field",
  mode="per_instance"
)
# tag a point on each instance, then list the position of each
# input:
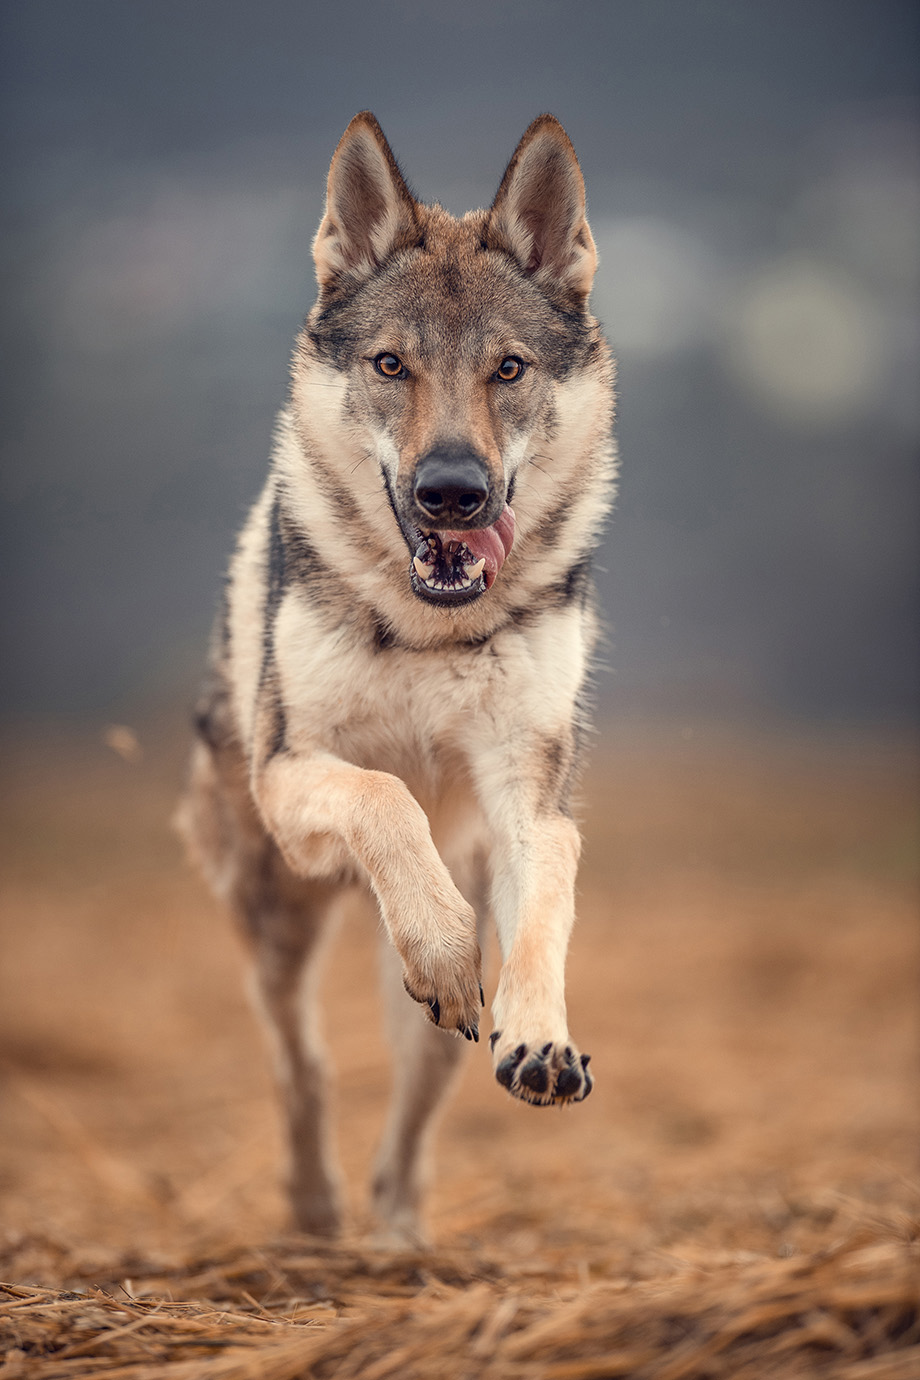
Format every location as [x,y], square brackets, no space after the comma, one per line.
[744,974]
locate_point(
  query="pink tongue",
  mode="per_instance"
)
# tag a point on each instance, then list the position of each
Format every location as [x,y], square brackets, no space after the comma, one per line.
[491,544]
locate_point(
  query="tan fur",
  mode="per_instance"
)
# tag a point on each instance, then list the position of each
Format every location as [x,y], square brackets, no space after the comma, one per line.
[357,727]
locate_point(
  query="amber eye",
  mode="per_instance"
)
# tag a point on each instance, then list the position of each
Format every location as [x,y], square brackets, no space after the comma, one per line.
[510,368]
[390,367]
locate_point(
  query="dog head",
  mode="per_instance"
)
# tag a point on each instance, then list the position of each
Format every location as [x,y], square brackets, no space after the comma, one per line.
[448,340]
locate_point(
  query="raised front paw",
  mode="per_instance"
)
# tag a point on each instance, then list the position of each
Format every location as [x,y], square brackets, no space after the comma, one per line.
[452,993]
[546,1075]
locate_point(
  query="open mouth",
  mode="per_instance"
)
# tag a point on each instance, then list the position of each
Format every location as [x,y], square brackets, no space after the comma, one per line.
[457,567]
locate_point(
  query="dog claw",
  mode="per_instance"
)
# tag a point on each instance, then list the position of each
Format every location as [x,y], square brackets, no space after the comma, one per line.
[482,996]
[494,1038]
[435,1006]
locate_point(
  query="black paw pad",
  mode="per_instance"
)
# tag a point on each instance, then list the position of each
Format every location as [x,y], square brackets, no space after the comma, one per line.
[535,1076]
[569,1082]
[508,1067]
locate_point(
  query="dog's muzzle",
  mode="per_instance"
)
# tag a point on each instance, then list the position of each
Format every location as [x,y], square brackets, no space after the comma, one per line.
[458,526]
[457,523]
[451,489]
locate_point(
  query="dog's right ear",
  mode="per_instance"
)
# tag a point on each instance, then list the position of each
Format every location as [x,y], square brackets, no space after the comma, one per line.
[538,215]
[370,211]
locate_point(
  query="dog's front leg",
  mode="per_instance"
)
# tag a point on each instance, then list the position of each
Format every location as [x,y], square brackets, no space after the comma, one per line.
[317,805]
[535,850]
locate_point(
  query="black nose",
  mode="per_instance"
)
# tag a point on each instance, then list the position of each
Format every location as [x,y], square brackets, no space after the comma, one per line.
[451,487]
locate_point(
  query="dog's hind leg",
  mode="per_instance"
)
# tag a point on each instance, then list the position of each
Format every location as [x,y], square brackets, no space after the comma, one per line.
[425,1063]
[425,1060]
[282,918]
[285,933]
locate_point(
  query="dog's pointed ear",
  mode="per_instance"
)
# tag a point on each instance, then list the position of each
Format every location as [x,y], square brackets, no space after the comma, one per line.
[369,209]
[538,214]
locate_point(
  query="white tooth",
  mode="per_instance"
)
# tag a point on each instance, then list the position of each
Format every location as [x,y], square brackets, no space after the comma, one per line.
[465,584]
[473,572]
[423,571]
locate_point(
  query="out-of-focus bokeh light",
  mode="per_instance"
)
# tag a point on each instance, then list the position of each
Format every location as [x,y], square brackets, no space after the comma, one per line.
[808,342]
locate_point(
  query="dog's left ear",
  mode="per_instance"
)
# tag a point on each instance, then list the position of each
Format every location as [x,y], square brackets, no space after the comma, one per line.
[370,211]
[538,214]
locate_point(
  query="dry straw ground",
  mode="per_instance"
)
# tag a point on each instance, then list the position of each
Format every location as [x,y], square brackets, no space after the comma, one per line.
[737,1199]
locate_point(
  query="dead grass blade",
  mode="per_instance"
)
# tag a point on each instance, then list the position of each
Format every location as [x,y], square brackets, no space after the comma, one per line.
[851,1313]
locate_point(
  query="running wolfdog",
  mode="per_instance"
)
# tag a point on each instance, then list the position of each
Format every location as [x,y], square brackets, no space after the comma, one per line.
[395,694]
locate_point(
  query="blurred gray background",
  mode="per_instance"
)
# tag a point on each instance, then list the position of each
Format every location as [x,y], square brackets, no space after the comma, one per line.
[753,187]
